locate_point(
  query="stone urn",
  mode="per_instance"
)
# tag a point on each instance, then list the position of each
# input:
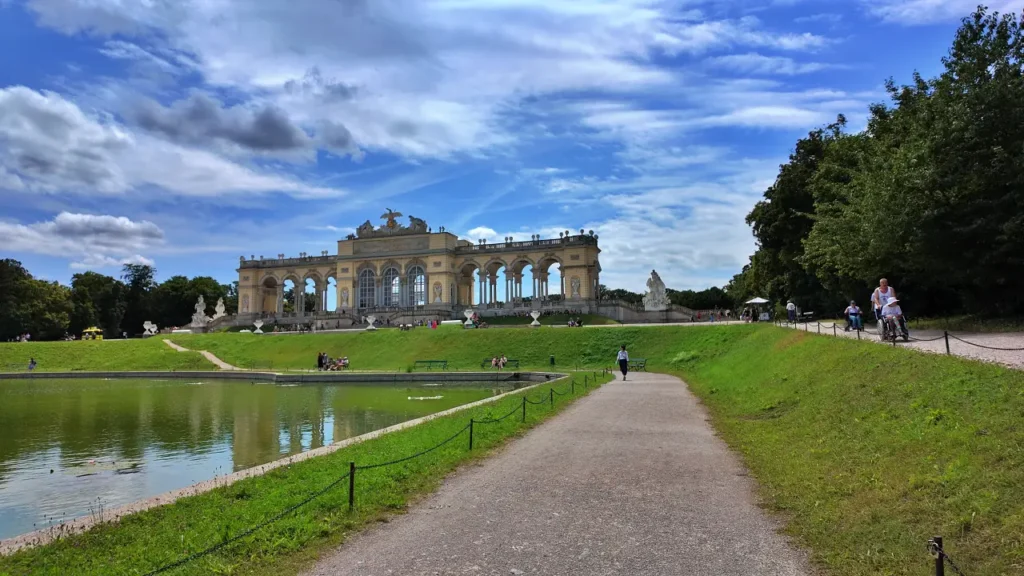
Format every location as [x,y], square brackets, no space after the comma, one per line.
[258,324]
[371,320]
[469,318]
[535,314]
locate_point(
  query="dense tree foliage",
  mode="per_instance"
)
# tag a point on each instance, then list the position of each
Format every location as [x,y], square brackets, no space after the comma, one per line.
[930,195]
[49,310]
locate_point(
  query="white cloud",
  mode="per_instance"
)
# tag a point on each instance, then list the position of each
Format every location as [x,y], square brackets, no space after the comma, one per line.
[482,232]
[919,12]
[754,63]
[93,240]
[49,144]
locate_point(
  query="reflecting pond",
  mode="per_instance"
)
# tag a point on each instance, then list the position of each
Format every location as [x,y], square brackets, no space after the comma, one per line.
[70,448]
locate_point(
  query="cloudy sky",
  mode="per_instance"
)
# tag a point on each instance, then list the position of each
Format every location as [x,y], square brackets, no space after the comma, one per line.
[186,133]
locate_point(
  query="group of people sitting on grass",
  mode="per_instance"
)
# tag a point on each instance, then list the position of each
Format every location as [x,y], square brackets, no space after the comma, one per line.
[575,322]
[325,362]
[498,362]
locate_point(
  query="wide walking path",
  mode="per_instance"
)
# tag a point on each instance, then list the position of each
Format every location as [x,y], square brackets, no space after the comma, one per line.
[208,355]
[629,480]
[1005,348]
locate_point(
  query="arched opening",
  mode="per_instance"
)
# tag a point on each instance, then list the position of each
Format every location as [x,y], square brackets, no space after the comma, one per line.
[522,280]
[367,289]
[549,277]
[268,296]
[290,295]
[497,284]
[468,288]
[391,285]
[310,298]
[417,283]
[332,294]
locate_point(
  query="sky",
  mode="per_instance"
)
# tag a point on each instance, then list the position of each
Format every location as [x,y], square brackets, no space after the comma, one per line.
[187,133]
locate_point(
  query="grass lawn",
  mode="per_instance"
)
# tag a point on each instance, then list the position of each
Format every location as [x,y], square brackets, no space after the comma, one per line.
[98,355]
[148,540]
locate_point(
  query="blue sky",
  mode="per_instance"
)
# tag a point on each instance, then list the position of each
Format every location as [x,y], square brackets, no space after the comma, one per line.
[186,133]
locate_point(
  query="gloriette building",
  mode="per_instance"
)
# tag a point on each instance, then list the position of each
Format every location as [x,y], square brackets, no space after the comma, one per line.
[408,271]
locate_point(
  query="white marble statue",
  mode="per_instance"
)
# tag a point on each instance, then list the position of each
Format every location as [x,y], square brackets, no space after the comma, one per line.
[259,327]
[468,312]
[245,303]
[656,298]
[437,292]
[575,285]
[372,321]
[199,318]
[218,310]
[344,297]
[535,314]
[149,327]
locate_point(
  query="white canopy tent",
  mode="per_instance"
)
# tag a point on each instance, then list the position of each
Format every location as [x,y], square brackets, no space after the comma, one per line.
[758,302]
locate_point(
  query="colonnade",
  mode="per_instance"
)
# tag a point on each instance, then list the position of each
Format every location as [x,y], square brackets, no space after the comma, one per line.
[487,287]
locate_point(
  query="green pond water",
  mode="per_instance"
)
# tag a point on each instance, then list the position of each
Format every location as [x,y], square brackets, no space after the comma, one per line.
[72,448]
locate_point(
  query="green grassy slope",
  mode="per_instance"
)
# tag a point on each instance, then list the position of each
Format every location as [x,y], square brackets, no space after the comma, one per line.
[136,354]
[552,320]
[464,349]
[871,450]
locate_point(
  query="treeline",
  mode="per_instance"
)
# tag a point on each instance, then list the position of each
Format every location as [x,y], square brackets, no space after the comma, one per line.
[50,310]
[930,195]
[708,299]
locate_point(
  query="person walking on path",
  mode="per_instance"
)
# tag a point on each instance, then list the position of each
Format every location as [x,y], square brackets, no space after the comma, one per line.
[623,361]
[791,312]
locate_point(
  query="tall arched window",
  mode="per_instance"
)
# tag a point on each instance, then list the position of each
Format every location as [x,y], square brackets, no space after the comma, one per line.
[392,286]
[367,289]
[417,286]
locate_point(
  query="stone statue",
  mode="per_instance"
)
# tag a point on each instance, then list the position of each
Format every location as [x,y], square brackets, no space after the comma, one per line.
[365,229]
[218,310]
[437,292]
[199,318]
[390,216]
[417,225]
[575,285]
[245,303]
[150,328]
[656,298]
[344,297]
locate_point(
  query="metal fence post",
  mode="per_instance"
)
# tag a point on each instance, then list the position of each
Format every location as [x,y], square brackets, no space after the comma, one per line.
[945,334]
[351,485]
[551,395]
[834,329]
[819,327]
[585,384]
[858,334]
[524,409]
[470,433]
[940,566]
[573,384]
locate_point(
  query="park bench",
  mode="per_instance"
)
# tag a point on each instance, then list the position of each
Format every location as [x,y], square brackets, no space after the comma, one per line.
[508,363]
[638,364]
[431,364]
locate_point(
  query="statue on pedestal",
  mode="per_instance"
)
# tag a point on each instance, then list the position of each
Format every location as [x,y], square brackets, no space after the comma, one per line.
[656,298]
[199,318]
[218,310]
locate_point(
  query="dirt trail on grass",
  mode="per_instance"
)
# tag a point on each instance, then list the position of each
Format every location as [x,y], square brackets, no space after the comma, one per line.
[978,346]
[629,480]
[208,355]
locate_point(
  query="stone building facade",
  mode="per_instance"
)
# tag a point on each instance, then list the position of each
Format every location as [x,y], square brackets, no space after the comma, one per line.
[395,267]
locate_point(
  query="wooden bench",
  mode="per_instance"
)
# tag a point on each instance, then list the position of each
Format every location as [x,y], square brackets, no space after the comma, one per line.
[638,364]
[431,364]
[510,363]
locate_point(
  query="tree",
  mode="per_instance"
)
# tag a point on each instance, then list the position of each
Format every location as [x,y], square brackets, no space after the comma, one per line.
[138,299]
[14,294]
[97,300]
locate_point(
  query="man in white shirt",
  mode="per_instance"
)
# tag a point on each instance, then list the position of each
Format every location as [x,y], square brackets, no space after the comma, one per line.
[791,311]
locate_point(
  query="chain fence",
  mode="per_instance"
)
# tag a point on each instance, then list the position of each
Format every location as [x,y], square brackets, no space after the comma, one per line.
[589,380]
[942,558]
[946,335]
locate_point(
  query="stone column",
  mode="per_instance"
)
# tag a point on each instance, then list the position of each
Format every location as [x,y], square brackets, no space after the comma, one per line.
[280,299]
[300,301]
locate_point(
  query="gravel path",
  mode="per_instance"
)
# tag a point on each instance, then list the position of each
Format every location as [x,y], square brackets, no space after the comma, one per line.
[630,480]
[208,355]
[932,341]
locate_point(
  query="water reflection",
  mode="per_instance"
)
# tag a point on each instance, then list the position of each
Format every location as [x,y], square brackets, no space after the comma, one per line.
[72,447]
